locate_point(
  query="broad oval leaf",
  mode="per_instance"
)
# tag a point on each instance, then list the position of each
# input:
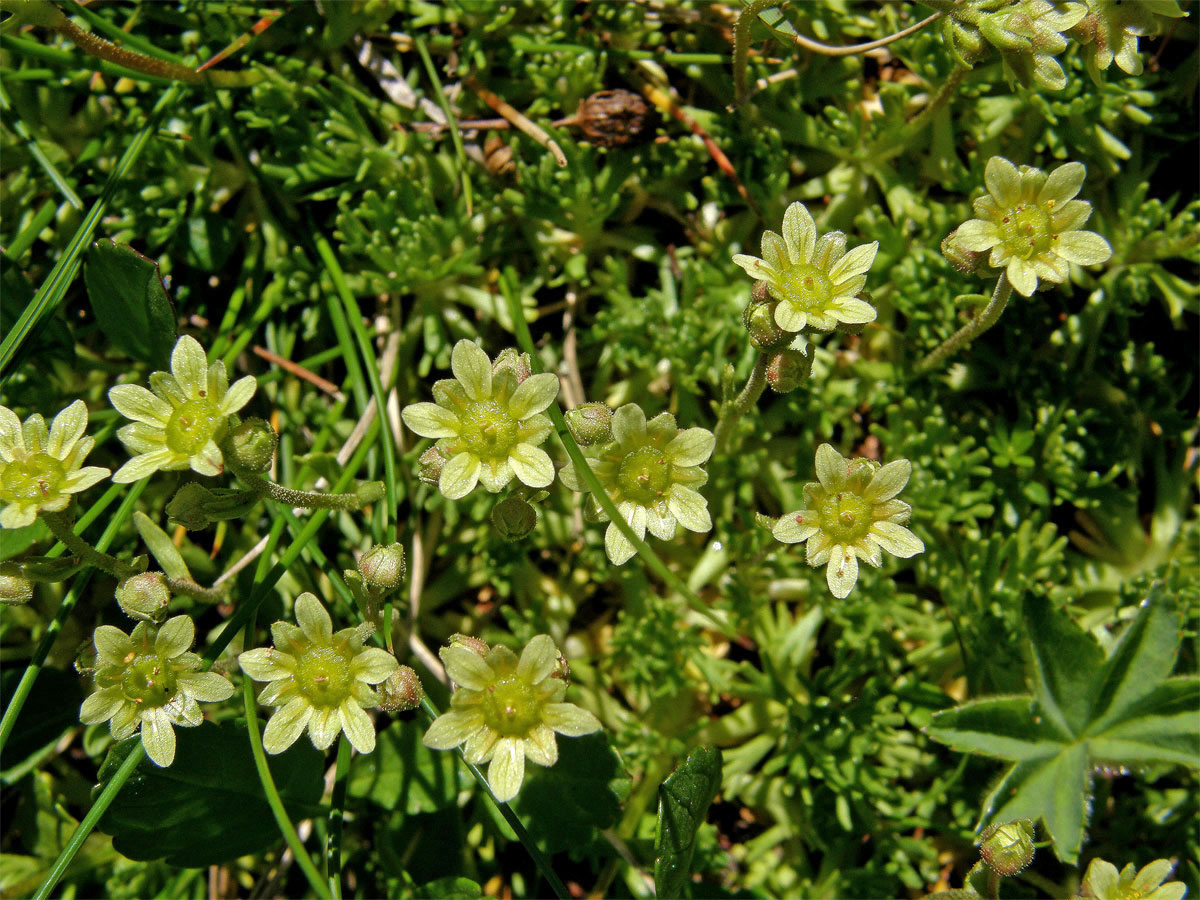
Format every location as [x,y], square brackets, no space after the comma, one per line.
[683,801]
[208,806]
[130,302]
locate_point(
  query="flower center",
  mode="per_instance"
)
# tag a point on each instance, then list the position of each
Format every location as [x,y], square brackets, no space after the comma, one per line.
[323,676]
[192,425]
[488,429]
[804,285]
[846,517]
[644,475]
[35,479]
[511,708]
[150,681]
[1027,230]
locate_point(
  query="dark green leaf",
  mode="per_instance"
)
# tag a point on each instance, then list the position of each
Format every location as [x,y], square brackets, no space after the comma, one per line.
[996,726]
[210,241]
[563,805]
[51,707]
[683,801]
[1065,661]
[130,303]
[208,806]
[404,774]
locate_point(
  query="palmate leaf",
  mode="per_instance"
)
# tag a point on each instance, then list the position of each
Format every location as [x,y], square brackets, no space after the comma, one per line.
[1086,710]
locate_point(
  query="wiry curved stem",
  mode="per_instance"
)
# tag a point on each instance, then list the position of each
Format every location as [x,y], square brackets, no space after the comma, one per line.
[977,326]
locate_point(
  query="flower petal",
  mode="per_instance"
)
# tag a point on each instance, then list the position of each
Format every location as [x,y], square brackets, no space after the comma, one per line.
[467,668]
[690,447]
[238,395]
[660,522]
[1085,248]
[537,660]
[473,369]
[533,395]
[67,428]
[479,746]
[175,637]
[459,476]
[267,664]
[689,508]
[1002,181]
[189,365]
[324,726]
[430,420]
[207,687]
[357,726]
[312,618]
[799,233]
[795,527]
[842,571]
[540,746]
[286,725]
[495,474]
[977,235]
[857,262]
[791,317]
[373,665]
[507,768]
[112,645]
[531,465]
[896,539]
[617,546]
[82,479]
[158,737]
[831,467]
[452,728]
[1063,184]
[888,481]
[629,425]
[102,705]
[854,312]
[1022,277]
[135,402]
[774,251]
[10,434]
[569,719]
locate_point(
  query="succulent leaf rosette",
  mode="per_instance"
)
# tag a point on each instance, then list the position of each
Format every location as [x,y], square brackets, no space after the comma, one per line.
[814,280]
[180,421]
[149,679]
[41,468]
[319,679]
[851,514]
[488,423]
[651,470]
[1030,223]
[506,710]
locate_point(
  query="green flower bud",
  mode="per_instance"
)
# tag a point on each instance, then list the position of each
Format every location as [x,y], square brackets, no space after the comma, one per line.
[510,360]
[786,369]
[382,568]
[965,261]
[759,320]
[251,446]
[474,644]
[590,423]
[15,590]
[144,597]
[514,518]
[429,466]
[402,691]
[369,492]
[195,506]
[1007,848]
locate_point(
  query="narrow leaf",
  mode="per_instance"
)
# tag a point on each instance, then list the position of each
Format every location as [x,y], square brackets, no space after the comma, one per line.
[683,801]
[160,544]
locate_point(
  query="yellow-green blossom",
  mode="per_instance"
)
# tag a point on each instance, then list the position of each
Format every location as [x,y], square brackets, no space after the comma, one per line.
[815,281]
[506,710]
[149,679]
[320,680]
[1103,882]
[850,514]
[488,422]
[1111,28]
[1030,222]
[40,468]
[651,470]
[180,421]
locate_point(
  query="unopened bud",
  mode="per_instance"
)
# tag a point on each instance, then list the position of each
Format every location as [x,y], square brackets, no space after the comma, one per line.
[251,446]
[510,360]
[759,321]
[474,644]
[368,492]
[382,568]
[194,506]
[965,261]
[786,369]
[15,590]
[615,118]
[590,423]
[429,466]
[401,691]
[514,518]
[144,597]
[1007,848]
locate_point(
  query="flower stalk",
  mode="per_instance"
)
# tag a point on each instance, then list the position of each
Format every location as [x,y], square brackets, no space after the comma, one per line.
[987,317]
[62,526]
[732,413]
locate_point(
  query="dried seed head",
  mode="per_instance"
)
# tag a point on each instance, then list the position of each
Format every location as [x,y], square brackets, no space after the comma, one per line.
[615,118]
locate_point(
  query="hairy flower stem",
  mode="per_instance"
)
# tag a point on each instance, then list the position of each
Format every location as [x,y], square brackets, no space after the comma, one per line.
[62,526]
[349,502]
[977,326]
[734,411]
[189,588]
